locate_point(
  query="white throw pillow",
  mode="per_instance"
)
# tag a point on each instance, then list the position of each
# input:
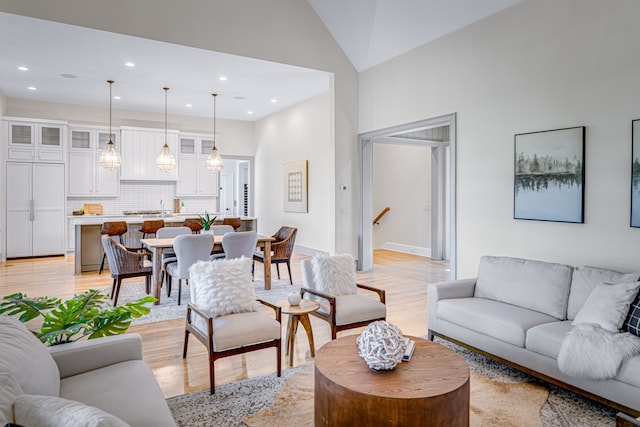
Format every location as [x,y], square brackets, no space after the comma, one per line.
[608,305]
[334,275]
[223,287]
[48,411]
[27,359]
[9,390]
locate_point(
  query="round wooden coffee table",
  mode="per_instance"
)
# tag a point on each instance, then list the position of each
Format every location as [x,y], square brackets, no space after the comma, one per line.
[431,389]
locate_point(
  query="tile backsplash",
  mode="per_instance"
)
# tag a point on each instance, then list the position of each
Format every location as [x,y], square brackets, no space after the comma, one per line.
[145,195]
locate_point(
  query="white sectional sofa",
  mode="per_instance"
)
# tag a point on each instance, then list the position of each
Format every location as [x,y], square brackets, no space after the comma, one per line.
[518,312]
[99,382]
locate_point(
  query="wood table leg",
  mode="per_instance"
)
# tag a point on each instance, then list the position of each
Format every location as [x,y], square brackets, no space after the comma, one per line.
[267,265]
[157,269]
[293,326]
[306,323]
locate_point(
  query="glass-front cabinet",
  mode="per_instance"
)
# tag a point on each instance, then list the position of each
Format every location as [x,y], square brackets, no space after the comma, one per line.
[36,140]
[86,177]
[195,178]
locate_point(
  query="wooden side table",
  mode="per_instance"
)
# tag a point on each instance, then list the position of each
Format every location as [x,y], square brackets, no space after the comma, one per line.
[298,314]
[431,389]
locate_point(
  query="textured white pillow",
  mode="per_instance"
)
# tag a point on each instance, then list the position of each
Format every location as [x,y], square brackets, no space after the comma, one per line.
[48,411]
[334,275]
[223,287]
[608,305]
[9,390]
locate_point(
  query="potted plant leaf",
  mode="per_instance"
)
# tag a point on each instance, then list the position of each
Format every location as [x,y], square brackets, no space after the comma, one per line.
[86,315]
[207,221]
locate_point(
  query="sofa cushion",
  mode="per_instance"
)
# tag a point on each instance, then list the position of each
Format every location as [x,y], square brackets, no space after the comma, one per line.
[608,305]
[9,390]
[629,372]
[632,322]
[354,308]
[506,322]
[586,278]
[546,339]
[536,285]
[127,390]
[27,359]
[33,410]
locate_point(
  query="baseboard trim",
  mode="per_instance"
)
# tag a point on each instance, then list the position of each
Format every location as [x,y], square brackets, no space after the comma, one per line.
[408,249]
[308,251]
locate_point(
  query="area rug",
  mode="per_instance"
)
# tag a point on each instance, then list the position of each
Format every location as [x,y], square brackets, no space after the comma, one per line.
[500,396]
[169,308]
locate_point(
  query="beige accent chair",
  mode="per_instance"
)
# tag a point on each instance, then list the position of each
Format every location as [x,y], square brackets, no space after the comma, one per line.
[345,311]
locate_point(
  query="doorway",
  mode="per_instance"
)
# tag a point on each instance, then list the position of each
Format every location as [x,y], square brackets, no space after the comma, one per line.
[438,135]
[236,186]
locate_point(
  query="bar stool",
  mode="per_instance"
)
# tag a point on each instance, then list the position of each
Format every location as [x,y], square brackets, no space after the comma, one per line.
[150,227]
[112,228]
[234,222]
[194,224]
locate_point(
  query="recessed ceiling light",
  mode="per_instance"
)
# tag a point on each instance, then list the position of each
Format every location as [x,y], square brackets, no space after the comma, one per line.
[116,97]
[23,68]
[68,76]
[129,64]
[188,105]
[240,98]
[273,101]
[32,88]
[249,112]
[222,78]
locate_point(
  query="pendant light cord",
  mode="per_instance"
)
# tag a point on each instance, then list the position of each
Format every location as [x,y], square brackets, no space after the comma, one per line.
[166,89]
[214,119]
[110,101]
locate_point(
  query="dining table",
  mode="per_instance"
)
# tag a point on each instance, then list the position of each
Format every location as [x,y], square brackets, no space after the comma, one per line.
[158,246]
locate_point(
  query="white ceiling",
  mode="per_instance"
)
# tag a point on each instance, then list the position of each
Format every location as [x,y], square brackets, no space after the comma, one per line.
[369,31]
[373,31]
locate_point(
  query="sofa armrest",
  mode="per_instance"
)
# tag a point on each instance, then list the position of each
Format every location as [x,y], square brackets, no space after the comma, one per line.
[463,288]
[82,356]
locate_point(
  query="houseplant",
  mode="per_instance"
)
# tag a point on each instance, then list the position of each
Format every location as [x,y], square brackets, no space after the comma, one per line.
[86,315]
[207,221]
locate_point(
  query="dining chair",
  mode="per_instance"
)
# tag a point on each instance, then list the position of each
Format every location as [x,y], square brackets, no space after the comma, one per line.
[281,248]
[189,249]
[169,255]
[112,228]
[220,230]
[239,244]
[195,224]
[151,227]
[232,221]
[225,326]
[342,311]
[124,264]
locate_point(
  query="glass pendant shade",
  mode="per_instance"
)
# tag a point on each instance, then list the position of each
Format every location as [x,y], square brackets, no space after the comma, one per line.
[165,160]
[214,162]
[109,157]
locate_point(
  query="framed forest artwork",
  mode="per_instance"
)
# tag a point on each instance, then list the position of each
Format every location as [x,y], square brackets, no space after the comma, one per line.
[549,175]
[635,173]
[295,186]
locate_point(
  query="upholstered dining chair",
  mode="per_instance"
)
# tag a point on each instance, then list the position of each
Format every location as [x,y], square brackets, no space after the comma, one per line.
[281,248]
[112,228]
[228,330]
[124,264]
[169,254]
[331,282]
[220,230]
[189,249]
[239,244]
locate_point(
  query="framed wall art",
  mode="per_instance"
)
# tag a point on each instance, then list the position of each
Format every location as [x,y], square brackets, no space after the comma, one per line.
[549,175]
[635,173]
[295,186]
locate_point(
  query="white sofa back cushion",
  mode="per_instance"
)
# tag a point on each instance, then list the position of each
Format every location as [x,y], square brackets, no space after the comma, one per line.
[9,390]
[536,285]
[586,278]
[27,359]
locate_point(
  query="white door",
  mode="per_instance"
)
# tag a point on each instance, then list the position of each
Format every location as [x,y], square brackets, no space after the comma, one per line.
[18,209]
[226,193]
[48,209]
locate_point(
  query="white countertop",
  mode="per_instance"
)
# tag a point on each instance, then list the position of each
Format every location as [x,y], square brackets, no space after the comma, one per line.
[132,219]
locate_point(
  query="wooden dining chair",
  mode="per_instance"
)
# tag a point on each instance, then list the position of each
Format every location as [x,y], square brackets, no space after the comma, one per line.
[112,228]
[195,224]
[281,248]
[124,264]
[234,222]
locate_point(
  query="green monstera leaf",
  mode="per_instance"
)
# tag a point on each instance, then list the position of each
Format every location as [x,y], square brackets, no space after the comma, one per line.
[27,308]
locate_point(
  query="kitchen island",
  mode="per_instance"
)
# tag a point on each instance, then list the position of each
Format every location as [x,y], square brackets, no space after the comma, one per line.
[88,247]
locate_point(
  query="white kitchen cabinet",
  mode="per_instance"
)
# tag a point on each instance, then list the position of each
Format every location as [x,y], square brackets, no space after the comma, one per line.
[195,178]
[35,209]
[35,141]
[86,177]
[140,147]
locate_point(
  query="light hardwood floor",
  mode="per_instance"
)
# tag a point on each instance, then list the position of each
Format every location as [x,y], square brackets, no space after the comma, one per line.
[404,277]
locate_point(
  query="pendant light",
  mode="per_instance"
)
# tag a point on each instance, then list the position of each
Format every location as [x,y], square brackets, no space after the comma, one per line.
[165,160]
[214,161]
[110,158]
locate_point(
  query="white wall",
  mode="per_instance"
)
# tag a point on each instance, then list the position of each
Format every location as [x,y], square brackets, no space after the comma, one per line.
[298,133]
[285,31]
[539,65]
[401,180]
[3,103]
